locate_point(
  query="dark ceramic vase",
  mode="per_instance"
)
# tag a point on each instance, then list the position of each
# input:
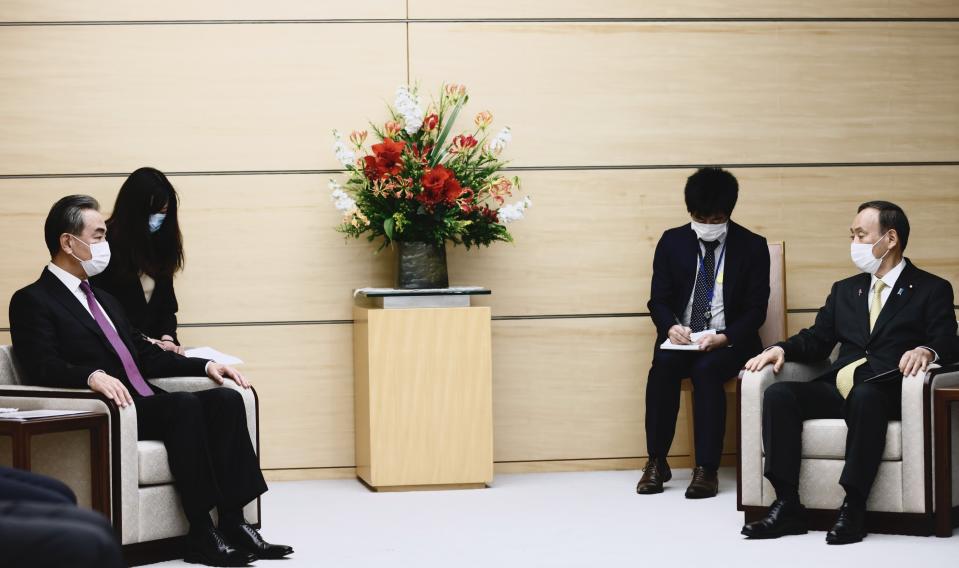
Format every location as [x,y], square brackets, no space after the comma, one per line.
[421,265]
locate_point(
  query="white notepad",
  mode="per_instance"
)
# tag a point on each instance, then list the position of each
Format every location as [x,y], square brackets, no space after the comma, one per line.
[692,347]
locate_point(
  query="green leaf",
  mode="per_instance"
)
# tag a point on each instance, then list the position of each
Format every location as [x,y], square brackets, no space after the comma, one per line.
[388,228]
[437,152]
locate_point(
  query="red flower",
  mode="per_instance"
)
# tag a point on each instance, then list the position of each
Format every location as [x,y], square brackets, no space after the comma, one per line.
[462,142]
[386,159]
[439,186]
[431,122]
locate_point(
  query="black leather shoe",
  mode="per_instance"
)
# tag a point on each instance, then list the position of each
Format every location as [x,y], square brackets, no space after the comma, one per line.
[784,518]
[655,473]
[248,539]
[206,546]
[850,527]
[705,484]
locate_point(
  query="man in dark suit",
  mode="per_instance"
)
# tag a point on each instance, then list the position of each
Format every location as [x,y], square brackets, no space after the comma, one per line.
[68,334]
[710,274]
[41,526]
[893,317]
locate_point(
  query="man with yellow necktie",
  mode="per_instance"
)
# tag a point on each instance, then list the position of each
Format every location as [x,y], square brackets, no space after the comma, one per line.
[893,317]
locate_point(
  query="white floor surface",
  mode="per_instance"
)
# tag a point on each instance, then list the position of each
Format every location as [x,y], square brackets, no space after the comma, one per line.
[552,520]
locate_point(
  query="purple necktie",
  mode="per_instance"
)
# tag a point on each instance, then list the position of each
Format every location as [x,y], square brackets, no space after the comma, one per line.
[133,374]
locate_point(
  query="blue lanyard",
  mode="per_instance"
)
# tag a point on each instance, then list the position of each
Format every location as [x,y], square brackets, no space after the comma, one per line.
[702,271]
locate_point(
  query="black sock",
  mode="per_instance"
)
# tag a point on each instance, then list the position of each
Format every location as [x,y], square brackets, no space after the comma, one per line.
[230,517]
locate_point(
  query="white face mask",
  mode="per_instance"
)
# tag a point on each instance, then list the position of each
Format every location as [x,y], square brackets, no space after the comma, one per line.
[863,258]
[710,231]
[156,221]
[100,257]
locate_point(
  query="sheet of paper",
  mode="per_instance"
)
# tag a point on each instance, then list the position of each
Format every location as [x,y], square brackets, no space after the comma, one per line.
[692,347]
[213,354]
[28,414]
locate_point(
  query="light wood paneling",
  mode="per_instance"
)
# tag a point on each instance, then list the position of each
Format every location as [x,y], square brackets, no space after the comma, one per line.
[304,379]
[185,98]
[586,246]
[572,389]
[685,9]
[685,93]
[121,10]
[259,248]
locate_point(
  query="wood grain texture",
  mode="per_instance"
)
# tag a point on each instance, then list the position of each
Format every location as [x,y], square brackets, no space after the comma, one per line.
[188,98]
[304,379]
[423,397]
[685,9]
[586,246]
[681,93]
[114,10]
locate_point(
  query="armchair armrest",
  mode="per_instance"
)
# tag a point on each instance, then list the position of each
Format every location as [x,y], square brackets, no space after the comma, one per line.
[751,388]
[918,436]
[124,465]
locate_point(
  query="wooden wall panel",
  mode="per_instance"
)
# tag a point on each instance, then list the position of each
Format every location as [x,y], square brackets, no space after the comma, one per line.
[259,248]
[303,376]
[262,248]
[186,98]
[585,94]
[587,244]
[114,10]
[685,9]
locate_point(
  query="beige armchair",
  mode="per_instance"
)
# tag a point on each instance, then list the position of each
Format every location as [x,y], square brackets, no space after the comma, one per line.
[901,500]
[146,510]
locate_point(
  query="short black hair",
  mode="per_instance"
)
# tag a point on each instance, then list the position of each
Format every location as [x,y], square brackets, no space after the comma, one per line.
[710,191]
[66,216]
[891,216]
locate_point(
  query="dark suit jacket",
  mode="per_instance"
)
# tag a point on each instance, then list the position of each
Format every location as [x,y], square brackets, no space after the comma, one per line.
[155,318]
[919,312]
[745,282]
[59,344]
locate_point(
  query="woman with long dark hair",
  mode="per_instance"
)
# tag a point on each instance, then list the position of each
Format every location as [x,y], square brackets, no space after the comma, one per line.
[147,251]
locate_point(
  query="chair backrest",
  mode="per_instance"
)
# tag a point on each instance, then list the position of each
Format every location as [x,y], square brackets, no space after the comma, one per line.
[8,366]
[774,330]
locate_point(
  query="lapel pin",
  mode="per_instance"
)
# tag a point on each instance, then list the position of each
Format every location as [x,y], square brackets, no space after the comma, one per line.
[860,291]
[899,293]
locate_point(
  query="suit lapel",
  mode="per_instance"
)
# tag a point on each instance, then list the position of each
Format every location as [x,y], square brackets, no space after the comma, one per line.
[900,295]
[731,260]
[860,302]
[60,293]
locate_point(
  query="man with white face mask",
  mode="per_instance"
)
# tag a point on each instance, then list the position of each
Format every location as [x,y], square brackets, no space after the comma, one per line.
[891,317]
[707,274]
[68,333]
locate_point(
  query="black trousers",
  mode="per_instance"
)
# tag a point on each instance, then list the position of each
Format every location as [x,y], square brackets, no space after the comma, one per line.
[867,412]
[19,485]
[208,445]
[708,371]
[41,526]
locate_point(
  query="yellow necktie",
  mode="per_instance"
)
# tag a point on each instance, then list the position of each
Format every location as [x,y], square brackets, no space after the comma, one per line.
[844,378]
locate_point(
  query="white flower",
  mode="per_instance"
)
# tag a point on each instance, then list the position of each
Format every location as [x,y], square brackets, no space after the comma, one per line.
[341,200]
[514,211]
[407,105]
[498,143]
[342,151]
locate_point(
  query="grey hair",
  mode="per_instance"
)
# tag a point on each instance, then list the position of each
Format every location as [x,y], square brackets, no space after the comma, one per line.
[66,216]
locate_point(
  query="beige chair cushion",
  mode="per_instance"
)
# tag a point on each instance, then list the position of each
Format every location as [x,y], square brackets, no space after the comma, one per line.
[826,439]
[154,464]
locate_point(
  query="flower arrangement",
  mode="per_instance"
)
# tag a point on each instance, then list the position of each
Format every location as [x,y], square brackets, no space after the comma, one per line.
[421,182]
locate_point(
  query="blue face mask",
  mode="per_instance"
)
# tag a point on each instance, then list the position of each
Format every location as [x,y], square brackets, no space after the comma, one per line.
[156,221]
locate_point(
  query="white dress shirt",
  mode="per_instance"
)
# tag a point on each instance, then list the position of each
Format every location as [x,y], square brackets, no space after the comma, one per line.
[73,285]
[717,310]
